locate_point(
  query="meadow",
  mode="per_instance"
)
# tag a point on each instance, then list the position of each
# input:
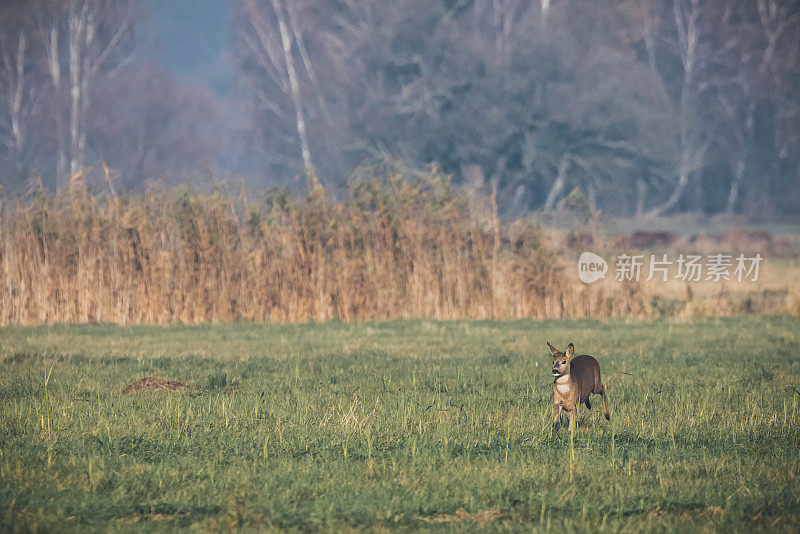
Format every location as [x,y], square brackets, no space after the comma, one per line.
[408,424]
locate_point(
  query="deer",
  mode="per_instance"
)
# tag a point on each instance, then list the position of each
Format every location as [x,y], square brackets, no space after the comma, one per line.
[574,379]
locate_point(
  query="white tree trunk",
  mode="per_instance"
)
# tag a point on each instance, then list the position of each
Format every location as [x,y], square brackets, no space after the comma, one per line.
[558,185]
[545,10]
[745,138]
[74,42]
[12,62]
[85,57]
[16,99]
[294,87]
[641,195]
[54,68]
[688,35]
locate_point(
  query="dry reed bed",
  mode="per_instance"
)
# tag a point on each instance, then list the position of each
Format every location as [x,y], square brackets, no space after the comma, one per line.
[393,249]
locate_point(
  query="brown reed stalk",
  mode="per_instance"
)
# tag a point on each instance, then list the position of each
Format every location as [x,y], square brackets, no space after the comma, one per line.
[395,248]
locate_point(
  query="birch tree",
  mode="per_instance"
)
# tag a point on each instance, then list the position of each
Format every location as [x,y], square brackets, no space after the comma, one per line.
[691,147]
[273,40]
[17,85]
[780,26]
[85,42]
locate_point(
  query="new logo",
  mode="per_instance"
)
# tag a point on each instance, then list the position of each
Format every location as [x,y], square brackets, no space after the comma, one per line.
[591,267]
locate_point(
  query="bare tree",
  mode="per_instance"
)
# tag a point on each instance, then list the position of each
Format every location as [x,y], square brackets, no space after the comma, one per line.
[151,125]
[84,40]
[271,42]
[736,95]
[780,24]
[776,18]
[754,52]
[507,16]
[17,84]
[692,148]
[558,184]
[50,27]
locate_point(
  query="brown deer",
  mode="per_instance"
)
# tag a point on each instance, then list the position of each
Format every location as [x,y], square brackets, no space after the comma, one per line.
[574,380]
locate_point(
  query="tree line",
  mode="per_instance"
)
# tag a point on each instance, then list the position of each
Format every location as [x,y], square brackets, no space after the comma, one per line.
[639,107]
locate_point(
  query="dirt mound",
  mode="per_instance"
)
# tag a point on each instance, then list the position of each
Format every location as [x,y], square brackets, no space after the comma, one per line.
[151,383]
[461,515]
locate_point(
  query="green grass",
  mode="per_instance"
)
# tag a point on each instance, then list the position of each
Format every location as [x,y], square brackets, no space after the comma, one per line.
[400,424]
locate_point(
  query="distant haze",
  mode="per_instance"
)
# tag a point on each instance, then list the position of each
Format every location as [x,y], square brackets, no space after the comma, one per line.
[191,38]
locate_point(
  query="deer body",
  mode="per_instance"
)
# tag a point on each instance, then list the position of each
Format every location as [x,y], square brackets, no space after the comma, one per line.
[574,380]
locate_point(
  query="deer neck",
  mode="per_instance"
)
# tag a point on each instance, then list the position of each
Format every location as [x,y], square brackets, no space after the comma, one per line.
[563,383]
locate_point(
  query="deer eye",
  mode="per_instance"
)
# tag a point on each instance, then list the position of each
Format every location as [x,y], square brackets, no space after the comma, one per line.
[564,362]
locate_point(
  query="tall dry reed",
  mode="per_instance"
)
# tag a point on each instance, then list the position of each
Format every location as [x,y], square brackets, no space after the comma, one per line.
[394,248]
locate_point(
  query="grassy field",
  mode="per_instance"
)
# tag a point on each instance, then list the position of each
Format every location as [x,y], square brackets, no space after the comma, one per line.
[409,424]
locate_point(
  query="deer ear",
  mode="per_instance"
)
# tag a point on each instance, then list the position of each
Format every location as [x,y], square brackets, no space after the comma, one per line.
[570,350]
[552,349]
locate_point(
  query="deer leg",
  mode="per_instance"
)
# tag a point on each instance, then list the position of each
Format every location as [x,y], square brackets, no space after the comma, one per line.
[556,415]
[602,394]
